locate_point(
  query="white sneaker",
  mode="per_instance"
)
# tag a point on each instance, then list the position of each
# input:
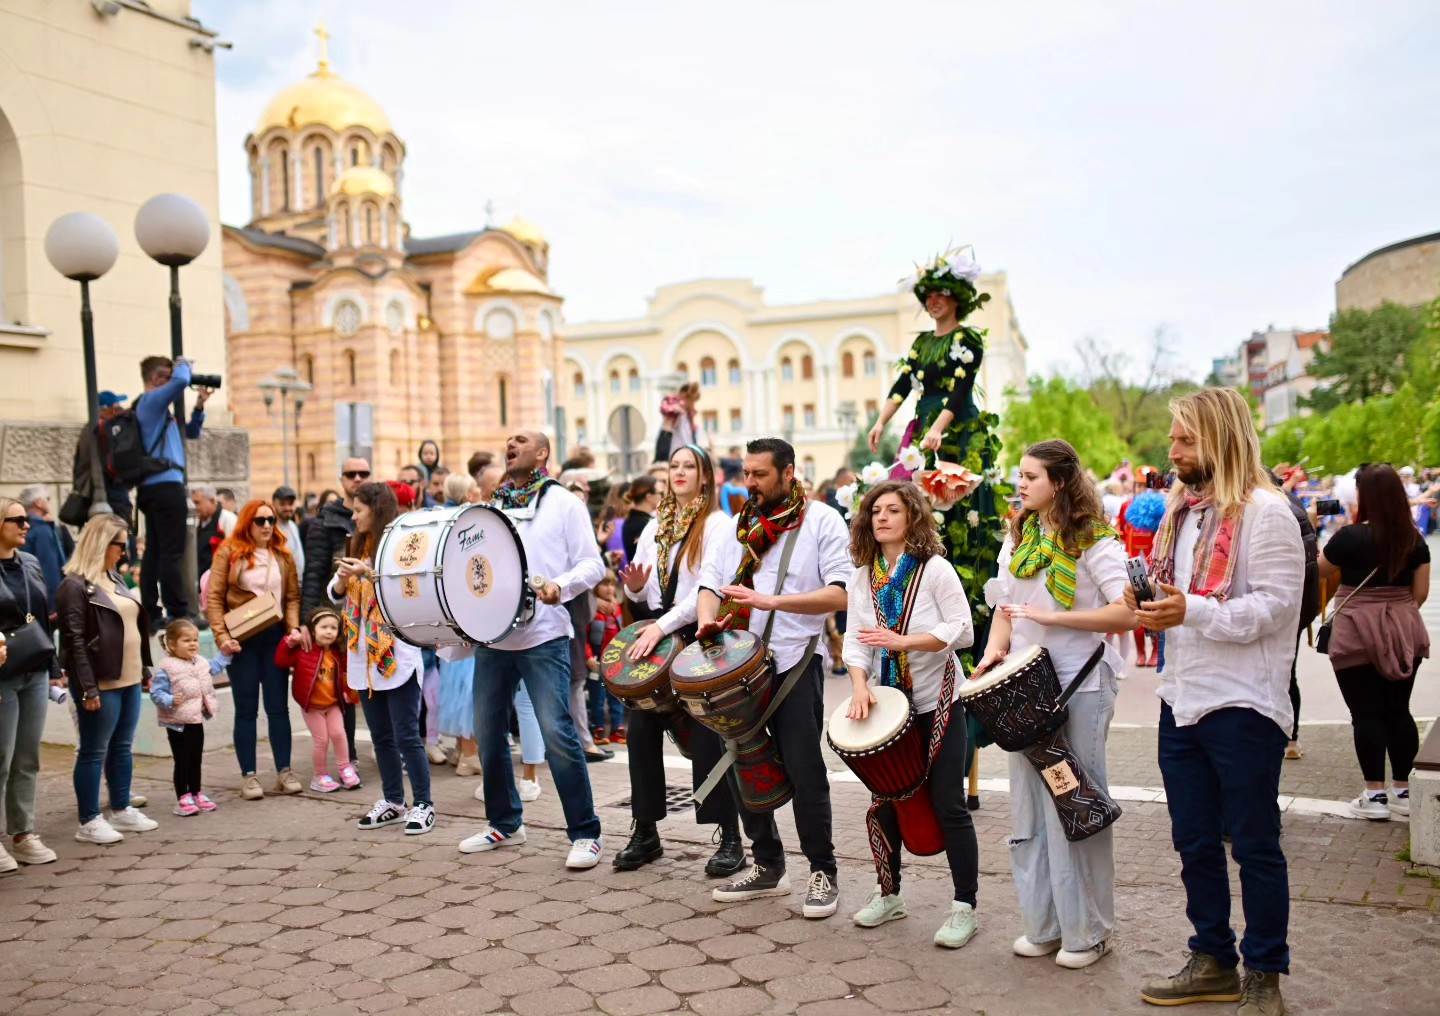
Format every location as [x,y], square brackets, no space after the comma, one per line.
[1081,958]
[132,821]
[1024,947]
[960,927]
[1399,801]
[529,790]
[7,863]
[491,838]
[585,853]
[97,830]
[420,819]
[880,909]
[1371,804]
[30,850]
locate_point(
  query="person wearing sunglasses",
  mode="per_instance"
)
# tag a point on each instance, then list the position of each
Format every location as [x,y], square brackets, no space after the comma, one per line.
[254,567]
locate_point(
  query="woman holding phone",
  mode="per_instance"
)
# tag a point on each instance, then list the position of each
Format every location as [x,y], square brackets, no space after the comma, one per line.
[1061,585]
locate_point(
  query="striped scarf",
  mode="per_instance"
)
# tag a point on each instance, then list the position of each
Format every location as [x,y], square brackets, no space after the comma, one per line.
[516,496]
[362,610]
[757,533]
[1039,549]
[1215,550]
[890,592]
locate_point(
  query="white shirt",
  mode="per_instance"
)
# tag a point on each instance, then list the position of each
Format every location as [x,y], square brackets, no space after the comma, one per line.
[940,610]
[407,657]
[293,544]
[1238,653]
[718,527]
[1099,580]
[821,557]
[560,546]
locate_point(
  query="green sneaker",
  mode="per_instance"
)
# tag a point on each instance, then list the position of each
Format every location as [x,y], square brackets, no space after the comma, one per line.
[880,909]
[959,928]
[1261,995]
[1202,980]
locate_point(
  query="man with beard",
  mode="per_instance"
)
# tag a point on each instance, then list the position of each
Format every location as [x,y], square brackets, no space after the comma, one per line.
[739,588]
[1229,569]
[559,543]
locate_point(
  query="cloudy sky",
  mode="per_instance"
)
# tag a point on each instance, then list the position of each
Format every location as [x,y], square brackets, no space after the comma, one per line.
[1209,168]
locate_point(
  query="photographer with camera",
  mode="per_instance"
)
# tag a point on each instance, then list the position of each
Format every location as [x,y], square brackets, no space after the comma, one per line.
[160,495]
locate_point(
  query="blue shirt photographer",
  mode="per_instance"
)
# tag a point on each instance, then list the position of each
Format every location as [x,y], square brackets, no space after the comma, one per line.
[158,428]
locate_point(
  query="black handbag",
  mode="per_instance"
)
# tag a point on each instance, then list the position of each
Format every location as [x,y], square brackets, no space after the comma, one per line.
[76,510]
[28,647]
[1322,637]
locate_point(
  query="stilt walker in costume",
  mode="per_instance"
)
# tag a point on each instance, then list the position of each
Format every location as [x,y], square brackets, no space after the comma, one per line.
[941,369]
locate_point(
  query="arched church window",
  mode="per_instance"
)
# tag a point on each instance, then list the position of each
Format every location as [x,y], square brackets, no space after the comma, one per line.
[319,159]
[502,385]
[394,366]
[307,368]
[349,357]
[347,318]
[370,224]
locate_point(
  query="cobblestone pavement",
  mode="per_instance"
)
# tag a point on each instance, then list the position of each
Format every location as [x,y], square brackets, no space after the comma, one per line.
[283,906]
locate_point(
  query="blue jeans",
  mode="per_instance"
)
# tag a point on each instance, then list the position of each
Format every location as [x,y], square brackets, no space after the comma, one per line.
[545,670]
[253,672]
[1222,776]
[105,739]
[394,720]
[605,708]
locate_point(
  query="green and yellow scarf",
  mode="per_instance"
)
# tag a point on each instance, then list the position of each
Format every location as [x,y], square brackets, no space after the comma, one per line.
[1039,549]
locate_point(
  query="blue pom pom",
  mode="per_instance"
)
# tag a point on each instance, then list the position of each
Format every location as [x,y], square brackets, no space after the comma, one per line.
[1146,511]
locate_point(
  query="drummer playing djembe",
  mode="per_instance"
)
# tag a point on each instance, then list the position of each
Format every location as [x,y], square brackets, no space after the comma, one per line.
[743,571]
[661,582]
[907,603]
[1061,586]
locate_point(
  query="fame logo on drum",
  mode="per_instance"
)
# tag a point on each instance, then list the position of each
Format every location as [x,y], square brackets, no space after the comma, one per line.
[470,536]
[479,576]
[411,550]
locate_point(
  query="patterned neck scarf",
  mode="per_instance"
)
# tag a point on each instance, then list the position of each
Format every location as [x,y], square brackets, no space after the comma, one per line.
[1215,550]
[757,533]
[891,594]
[1039,549]
[362,610]
[511,495]
[672,526]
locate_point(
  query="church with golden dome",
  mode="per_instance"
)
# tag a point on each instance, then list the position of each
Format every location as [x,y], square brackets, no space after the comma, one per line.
[401,338]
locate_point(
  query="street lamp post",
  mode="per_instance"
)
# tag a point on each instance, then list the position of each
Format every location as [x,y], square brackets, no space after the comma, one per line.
[285,383]
[83,247]
[174,231]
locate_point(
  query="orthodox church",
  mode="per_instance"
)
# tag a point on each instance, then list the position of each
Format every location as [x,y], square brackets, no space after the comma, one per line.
[400,338]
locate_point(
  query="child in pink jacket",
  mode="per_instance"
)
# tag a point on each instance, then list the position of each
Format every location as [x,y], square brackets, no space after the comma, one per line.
[183,689]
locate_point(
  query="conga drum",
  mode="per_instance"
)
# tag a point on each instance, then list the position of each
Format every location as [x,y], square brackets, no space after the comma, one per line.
[726,683]
[1019,702]
[885,750]
[641,684]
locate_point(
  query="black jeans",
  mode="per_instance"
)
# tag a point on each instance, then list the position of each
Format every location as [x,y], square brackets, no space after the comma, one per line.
[347,710]
[187,747]
[796,727]
[947,794]
[1380,717]
[1295,689]
[393,717]
[644,741]
[164,507]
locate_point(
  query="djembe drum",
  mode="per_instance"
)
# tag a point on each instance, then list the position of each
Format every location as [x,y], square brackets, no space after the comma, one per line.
[1019,702]
[726,683]
[645,684]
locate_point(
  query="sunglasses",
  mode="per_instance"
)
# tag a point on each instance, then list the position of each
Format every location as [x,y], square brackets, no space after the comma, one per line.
[356,474]
[21,521]
[263,520]
[120,543]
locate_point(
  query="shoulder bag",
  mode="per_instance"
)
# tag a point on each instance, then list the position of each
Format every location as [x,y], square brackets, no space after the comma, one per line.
[29,646]
[1322,637]
[257,614]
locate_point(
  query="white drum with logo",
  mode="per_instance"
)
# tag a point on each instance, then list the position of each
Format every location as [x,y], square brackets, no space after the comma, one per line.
[452,576]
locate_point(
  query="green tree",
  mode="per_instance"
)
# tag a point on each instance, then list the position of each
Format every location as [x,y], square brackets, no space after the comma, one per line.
[1056,407]
[1136,397]
[860,455]
[1367,355]
[1284,442]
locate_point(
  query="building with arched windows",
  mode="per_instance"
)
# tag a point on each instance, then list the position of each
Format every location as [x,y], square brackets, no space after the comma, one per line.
[813,373]
[403,338]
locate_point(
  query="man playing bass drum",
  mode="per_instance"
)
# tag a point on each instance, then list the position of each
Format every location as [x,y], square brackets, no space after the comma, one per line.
[742,572]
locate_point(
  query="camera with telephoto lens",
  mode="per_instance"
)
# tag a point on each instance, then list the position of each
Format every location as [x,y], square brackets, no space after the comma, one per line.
[204,380]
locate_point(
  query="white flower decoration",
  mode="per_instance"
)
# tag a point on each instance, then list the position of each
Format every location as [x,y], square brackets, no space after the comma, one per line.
[972,517]
[912,458]
[874,473]
[845,496]
[982,610]
[965,355]
[939,519]
[962,266]
[994,474]
[958,350]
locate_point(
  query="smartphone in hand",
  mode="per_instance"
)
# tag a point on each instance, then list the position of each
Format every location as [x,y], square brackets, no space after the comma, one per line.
[1139,574]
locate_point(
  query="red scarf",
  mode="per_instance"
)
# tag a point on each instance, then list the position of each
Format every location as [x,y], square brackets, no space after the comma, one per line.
[757,533]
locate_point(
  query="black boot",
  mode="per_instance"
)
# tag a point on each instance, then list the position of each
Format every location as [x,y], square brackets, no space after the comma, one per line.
[644,847]
[729,857]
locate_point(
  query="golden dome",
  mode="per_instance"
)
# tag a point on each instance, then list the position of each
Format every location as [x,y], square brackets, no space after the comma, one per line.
[358,180]
[526,232]
[326,99]
[507,280]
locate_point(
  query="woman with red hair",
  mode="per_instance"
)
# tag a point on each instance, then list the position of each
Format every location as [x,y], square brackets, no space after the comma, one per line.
[252,564]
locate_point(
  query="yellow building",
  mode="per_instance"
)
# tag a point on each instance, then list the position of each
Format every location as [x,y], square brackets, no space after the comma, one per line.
[402,338]
[813,373]
[99,111]
[1407,272]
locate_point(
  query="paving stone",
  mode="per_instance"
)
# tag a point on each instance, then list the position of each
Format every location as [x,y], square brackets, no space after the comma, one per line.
[689,980]
[541,940]
[310,896]
[183,931]
[743,1001]
[843,1007]
[356,924]
[395,963]
[632,940]
[732,947]
[766,966]
[435,981]
[502,927]
[519,979]
[459,917]
[809,987]
[407,933]
[305,917]
[611,977]
[695,929]
[907,995]
[574,957]
[510,900]
[550,911]
[487,960]
[655,914]
[868,970]
[245,932]
[592,925]
[563,999]
[299,941]
[349,952]
[651,998]
[358,900]
[462,1003]
[408,908]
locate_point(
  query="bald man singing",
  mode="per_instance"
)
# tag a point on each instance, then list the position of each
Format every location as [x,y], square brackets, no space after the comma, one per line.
[559,542]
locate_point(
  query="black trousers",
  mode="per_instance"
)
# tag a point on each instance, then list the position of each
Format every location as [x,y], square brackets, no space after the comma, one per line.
[796,728]
[188,748]
[1380,717]
[164,507]
[644,741]
[347,713]
[947,794]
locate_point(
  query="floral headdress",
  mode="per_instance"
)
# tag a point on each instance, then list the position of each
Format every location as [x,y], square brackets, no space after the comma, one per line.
[954,272]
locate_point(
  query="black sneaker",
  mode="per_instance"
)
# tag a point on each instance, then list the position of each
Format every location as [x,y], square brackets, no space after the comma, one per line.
[384,813]
[759,881]
[420,819]
[822,896]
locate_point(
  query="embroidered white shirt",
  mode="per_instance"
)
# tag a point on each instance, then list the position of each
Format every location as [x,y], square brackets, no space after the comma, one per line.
[718,527]
[407,657]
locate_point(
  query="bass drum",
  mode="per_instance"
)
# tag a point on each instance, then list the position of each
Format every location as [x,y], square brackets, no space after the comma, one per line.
[452,576]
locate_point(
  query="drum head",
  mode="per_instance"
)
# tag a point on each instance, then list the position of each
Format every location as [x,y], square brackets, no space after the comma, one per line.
[705,662]
[1003,671]
[483,573]
[622,673]
[406,588]
[887,718]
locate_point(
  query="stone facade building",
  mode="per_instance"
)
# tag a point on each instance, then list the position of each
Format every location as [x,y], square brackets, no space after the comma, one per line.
[1407,273]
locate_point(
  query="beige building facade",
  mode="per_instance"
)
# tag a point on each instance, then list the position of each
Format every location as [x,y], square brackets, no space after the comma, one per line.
[1407,273]
[451,338]
[814,373]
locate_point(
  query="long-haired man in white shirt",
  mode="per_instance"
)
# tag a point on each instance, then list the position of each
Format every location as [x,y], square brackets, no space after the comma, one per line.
[1230,568]
[560,546]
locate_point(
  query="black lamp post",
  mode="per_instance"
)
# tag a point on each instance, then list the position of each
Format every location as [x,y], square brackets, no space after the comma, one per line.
[174,231]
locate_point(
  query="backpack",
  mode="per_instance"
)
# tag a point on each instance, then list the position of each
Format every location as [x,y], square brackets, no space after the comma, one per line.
[126,457]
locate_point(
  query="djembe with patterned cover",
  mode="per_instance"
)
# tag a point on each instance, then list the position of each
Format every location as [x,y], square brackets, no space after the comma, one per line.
[1019,702]
[726,683]
[645,684]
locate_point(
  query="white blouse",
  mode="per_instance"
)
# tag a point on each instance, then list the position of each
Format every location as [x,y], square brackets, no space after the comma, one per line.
[940,610]
[1099,580]
[408,661]
[718,526]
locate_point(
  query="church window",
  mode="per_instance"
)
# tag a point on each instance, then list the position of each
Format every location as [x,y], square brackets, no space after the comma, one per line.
[284,181]
[734,371]
[634,380]
[707,372]
[870,365]
[395,366]
[787,369]
[809,416]
[614,382]
[342,230]
[807,367]
[500,324]
[347,317]
[370,224]
[319,176]
[579,380]
[395,317]
[847,365]
[350,367]
[503,384]
[307,368]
